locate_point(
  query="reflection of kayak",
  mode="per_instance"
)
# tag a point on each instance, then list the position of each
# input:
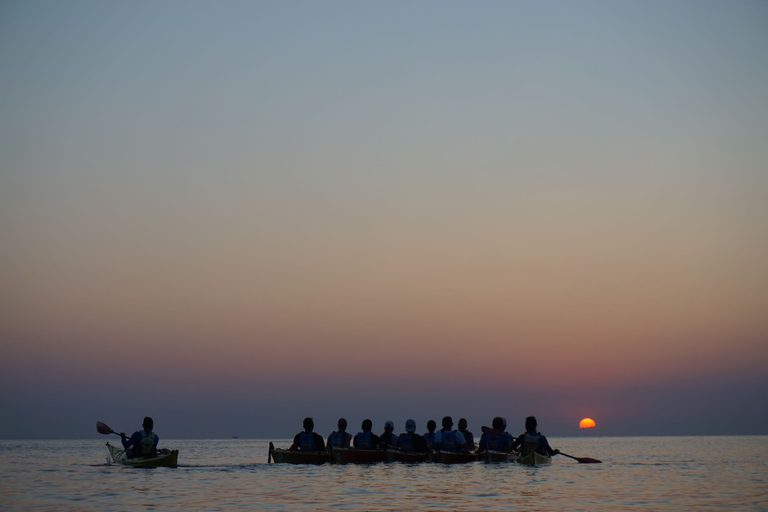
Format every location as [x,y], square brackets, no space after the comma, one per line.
[453,458]
[296,457]
[164,458]
[355,456]
[395,455]
[534,459]
[493,456]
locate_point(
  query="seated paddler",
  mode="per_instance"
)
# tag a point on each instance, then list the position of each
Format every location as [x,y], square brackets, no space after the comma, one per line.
[142,442]
[429,435]
[308,441]
[412,442]
[367,440]
[447,440]
[498,440]
[340,438]
[532,440]
[468,436]
[389,437]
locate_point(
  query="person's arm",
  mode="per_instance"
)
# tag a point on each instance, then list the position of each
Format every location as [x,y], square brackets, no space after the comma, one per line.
[295,446]
[135,439]
[347,440]
[377,442]
[548,448]
[319,443]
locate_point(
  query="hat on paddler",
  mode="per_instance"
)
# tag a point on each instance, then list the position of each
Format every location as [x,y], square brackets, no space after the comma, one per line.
[410,426]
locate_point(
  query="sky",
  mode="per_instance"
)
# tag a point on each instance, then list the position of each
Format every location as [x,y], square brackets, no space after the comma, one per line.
[232,215]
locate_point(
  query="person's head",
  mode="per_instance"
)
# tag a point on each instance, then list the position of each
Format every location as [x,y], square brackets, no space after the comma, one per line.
[342,424]
[498,423]
[530,424]
[447,422]
[309,424]
[367,425]
[389,426]
[148,423]
[431,426]
[462,425]
[410,426]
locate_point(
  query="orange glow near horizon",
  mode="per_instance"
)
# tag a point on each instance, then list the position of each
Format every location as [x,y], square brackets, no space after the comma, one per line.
[587,423]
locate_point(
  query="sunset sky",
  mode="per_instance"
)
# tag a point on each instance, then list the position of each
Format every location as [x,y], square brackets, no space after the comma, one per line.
[232,215]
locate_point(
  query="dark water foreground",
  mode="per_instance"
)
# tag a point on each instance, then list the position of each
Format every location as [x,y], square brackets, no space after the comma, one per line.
[641,473]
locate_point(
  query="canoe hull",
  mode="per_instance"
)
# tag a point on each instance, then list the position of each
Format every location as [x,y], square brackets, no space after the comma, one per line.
[281,456]
[400,456]
[355,456]
[534,459]
[166,460]
[493,456]
[453,458]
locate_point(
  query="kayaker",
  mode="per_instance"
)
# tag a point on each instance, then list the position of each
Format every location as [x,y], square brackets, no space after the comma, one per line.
[532,440]
[429,436]
[448,440]
[389,437]
[341,438]
[468,437]
[367,440]
[308,441]
[142,442]
[410,441]
[498,441]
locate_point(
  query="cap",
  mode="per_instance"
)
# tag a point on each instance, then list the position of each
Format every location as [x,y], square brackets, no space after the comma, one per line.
[389,424]
[410,426]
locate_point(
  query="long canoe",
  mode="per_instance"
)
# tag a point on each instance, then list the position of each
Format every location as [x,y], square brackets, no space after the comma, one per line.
[355,456]
[494,456]
[453,458]
[280,455]
[534,459]
[165,458]
[395,455]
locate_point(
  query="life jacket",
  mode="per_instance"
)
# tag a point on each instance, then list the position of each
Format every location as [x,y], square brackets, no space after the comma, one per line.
[405,442]
[336,439]
[429,437]
[307,442]
[531,443]
[147,443]
[448,441]
[364,441]
[390,439]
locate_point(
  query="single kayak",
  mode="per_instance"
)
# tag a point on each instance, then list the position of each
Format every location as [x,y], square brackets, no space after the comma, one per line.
[534,459]
[453,458]
[164,458]
[494,456]
[356,456]
[395,455]
[280,455]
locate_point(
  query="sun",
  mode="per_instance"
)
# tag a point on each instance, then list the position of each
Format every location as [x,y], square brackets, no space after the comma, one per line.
[587,423]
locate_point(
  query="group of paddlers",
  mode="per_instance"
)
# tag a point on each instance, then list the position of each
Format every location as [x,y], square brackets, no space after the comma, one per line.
[495,438]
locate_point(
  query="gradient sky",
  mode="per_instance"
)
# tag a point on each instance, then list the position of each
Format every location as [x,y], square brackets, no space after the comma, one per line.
[232,215]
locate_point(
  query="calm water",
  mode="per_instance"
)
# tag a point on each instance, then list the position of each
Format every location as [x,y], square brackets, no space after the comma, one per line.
[648,473]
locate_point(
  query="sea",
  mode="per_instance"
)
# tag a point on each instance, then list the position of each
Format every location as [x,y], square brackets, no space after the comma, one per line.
[637,473]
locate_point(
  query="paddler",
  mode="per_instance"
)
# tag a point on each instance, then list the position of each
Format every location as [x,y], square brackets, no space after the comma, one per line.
[429,435]
[308,441]
[448,440]
[341,438]
[412,442]
[532,441]
[142,442]
[389,437]
[468,437]
[498,440]
[367,440]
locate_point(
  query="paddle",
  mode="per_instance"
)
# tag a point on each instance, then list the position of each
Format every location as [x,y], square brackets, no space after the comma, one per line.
[492,432]
[583,460]
[103,428]
[269,457]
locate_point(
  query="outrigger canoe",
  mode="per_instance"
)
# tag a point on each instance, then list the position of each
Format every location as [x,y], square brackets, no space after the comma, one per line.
[534,459]
[356,456]
[280,455]
[164,458]
[395,455]
[494,456]
[453,458]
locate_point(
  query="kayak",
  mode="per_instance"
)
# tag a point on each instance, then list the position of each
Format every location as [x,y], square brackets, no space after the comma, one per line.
[280,455]
[493,456]
[453,458]
[534,459]
[355,456]
[164,458]
[395,455]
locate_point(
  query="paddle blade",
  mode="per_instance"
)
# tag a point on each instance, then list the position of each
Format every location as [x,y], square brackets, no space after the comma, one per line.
[587,460]
[103,428]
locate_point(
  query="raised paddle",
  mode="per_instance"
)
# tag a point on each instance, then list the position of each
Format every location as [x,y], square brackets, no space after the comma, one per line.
[583,460]
[103,428]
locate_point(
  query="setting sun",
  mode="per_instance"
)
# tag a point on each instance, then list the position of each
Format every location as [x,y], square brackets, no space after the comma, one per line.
[587,423]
